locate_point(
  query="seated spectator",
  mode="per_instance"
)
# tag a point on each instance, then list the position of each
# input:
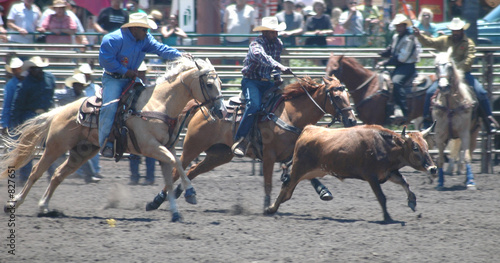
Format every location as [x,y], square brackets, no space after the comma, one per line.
[338,29]
[294,23]
[111,18]
[59,24]
[425,24]
[172,33]
[319,25]
[23,18]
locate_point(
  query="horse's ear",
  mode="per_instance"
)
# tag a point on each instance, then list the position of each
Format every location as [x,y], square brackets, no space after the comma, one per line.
[449,51]
[403,132]
[327,80]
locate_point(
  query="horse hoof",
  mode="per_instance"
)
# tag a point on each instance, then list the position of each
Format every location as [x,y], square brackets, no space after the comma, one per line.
[159,199]
[176,217]
[190,196]
[178,191]
[325,195]
[269,211]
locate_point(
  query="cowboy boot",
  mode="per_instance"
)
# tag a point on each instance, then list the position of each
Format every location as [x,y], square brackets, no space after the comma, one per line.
[239,148]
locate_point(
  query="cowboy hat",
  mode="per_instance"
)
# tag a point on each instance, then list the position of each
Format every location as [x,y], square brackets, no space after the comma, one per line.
[15,62]
[142,67]
[36,61]
[457,24]
[84,68]
[59,3]
[140,20]
[401,19]
[78,78]
[156,15]
[270,23]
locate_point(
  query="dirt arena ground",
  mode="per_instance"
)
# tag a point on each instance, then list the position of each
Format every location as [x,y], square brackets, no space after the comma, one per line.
[227,224]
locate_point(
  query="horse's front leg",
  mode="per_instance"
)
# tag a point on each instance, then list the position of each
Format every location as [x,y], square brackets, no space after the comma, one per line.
[440,163]
[469,176]
[190,193]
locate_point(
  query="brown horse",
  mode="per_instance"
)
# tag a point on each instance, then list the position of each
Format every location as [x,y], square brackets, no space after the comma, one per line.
[58,129]
[453,110]
[298,110]
[370,91]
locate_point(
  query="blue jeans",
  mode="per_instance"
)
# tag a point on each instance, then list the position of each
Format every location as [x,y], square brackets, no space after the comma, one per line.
[134,168]
[399,76]
[481,94]
[253,91]
[112,89]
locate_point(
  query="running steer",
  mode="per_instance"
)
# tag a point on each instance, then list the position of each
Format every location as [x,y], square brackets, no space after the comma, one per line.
[368,152]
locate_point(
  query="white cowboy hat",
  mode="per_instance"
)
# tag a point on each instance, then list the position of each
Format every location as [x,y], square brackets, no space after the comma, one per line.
[270,23]
[36,61]
[457,24]
[401,19]
[140,20]
[84,68]
[78,78]
[15,62]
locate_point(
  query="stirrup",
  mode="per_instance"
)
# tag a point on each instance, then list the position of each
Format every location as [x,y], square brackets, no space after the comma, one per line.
[239,148]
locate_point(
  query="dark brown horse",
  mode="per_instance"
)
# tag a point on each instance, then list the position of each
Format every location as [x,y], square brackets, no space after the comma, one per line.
[370,91]
[300,108]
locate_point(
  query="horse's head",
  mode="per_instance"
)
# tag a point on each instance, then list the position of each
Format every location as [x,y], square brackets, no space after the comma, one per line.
[340,101]
[208,89]
[334,66]
[445,71]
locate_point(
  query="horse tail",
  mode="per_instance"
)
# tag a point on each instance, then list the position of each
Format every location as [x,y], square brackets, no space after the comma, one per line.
[26,140]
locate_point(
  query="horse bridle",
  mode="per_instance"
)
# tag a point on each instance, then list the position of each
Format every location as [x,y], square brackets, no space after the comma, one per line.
[446,66]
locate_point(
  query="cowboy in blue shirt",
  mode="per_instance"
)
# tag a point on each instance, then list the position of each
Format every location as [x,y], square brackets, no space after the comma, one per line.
[263,57]
[121,53]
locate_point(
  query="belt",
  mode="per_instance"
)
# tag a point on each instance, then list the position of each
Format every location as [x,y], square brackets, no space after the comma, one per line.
[259,79]
[114,75]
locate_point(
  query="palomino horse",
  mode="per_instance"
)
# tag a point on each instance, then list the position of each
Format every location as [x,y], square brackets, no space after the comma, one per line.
[298,110]
[452,110]
[58,129]
[369,90]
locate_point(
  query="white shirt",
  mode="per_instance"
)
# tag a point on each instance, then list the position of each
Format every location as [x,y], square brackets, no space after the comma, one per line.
[25,18]
[239,22]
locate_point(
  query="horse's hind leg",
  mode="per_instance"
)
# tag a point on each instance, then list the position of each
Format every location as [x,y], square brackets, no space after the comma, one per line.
[77,156]
[49,156]
[397,178]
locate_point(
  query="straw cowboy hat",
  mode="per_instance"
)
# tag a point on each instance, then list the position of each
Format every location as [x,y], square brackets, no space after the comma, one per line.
[36,61]
[84,68]
[457,24]
[401,19]
[15,62]
[59,3]
[270,23]
[140,20]
[78,78]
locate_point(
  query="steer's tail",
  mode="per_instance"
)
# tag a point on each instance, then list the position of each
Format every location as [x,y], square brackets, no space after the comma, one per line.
[30,138]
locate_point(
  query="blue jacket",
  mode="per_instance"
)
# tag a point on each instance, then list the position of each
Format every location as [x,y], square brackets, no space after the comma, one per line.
[120,51]
[33,94]
[8,95]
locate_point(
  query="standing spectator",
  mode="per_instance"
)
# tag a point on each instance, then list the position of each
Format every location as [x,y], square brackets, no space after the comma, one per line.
[319,25]
[111,18]
[61,25]
[23,18]
[352,21]
[338,29]
[120,55]
[263,57]
[70,11]
[372,17]
[239,18]
[294,23]
[91,90]
[33,97]
[14,67]
[135,160]
[172,34]
[425,24]
[3,31]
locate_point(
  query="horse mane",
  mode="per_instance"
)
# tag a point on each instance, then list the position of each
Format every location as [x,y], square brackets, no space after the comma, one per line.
[295,89]
[181,64]
[355,63]
[458,79]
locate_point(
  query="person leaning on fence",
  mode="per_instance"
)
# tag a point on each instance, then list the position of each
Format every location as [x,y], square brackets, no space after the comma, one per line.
[352,20]
[111,18]
[404,52]
[120,55]
[294,23]
[264,56]
[425,24]
[60,24]
[318,25]
[23,18]
[464,53]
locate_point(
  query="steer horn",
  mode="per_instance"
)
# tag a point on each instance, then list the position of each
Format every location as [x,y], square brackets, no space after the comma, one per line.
[427,131]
